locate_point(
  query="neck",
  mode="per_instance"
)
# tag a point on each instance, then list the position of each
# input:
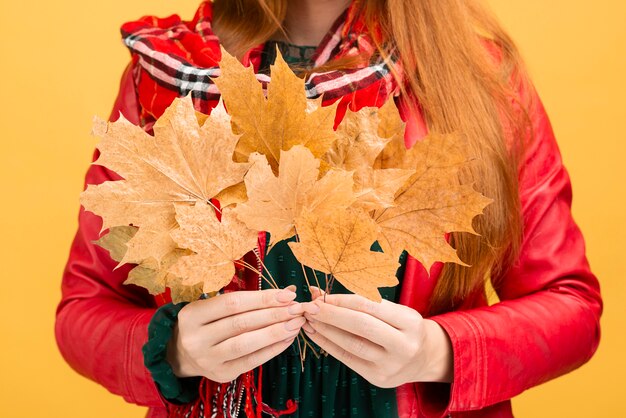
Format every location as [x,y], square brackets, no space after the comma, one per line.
[308,21]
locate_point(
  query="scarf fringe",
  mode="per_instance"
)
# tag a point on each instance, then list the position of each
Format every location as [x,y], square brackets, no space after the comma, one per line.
[221,400]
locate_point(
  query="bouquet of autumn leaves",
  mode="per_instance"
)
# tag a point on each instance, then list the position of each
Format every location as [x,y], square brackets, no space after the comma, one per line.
[195,196]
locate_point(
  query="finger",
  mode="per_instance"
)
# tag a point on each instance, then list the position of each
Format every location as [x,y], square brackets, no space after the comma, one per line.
[228,304]
[309,307]
[315,292]
[259,357]
[396,315]
[229,327]
[358,346]
[358,323]
[252,341]
[357,364]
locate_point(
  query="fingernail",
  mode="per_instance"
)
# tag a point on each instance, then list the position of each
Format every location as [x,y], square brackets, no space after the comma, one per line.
[292,287]
[308,328]
[285,295]
[295,309]
[294,324]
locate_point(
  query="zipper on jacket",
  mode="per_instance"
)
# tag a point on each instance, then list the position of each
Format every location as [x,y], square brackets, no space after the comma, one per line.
[257,252]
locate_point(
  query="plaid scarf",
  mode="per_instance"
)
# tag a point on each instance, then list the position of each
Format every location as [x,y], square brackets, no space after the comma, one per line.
[173,58]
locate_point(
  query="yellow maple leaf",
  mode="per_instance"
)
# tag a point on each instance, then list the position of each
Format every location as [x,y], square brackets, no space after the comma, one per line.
[356,149]
[216,245]
[115,240]
[183,163]
[232,195]
[155,276]
[338,242]
[276,123]
[277,166]
[274,202]
[392,128]
[149,274]
[431,203]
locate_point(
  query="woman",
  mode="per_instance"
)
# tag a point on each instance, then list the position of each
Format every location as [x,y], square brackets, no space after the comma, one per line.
[434,347]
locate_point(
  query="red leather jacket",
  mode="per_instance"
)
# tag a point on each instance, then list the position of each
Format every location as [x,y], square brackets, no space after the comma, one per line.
[546,324]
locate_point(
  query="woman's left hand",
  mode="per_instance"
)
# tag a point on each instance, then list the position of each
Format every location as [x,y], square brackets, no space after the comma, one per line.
[386,343]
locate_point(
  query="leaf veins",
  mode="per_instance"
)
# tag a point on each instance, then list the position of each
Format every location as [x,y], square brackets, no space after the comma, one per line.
[338,242]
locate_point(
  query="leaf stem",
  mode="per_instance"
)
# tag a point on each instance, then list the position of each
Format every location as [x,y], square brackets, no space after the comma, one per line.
[330,283]
[302,353]
[214,207]
[326,287]
[306,277]
[268,272]
[307,343]
[272,284]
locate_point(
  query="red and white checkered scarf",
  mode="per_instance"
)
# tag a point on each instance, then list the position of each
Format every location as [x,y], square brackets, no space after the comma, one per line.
[173,58]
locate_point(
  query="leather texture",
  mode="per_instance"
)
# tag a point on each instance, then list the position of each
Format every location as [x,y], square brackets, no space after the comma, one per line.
[546,324]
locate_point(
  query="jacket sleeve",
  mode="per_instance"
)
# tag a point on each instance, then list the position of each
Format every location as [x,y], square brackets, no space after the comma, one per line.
[101,324]
[547,323]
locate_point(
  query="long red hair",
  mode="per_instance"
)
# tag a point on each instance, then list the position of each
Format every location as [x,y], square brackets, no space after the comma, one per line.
[464,71]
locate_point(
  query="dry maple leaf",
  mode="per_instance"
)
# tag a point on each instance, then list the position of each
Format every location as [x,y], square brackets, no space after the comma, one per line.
[392,128]
[149,274]
[232,195]
[274,203]
[216,244]
[183,162]
[356,150]
[155,276]
[339,243]
[431,203]
[276,123]
[115,240]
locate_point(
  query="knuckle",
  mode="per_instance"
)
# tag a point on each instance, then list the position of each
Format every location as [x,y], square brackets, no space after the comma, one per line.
[346,355]
[216,356]
[187,341]
[382,380]
[232,301]
[223,377]
[185,315]
[365,328]
[277,331]
[252,361]
[373,308]
[204,363]
[377,356]
[207,365]
[230,377]
[267,297]
[358,346]
[277,315]
[239,323]
[410,314]
[364,305]
[412,347]
[381,377]
[239,346]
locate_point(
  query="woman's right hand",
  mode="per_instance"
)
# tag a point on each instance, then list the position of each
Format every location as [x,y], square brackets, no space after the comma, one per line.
[230,334]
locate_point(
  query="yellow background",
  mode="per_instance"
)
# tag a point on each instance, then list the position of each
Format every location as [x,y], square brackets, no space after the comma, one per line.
[60,62]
